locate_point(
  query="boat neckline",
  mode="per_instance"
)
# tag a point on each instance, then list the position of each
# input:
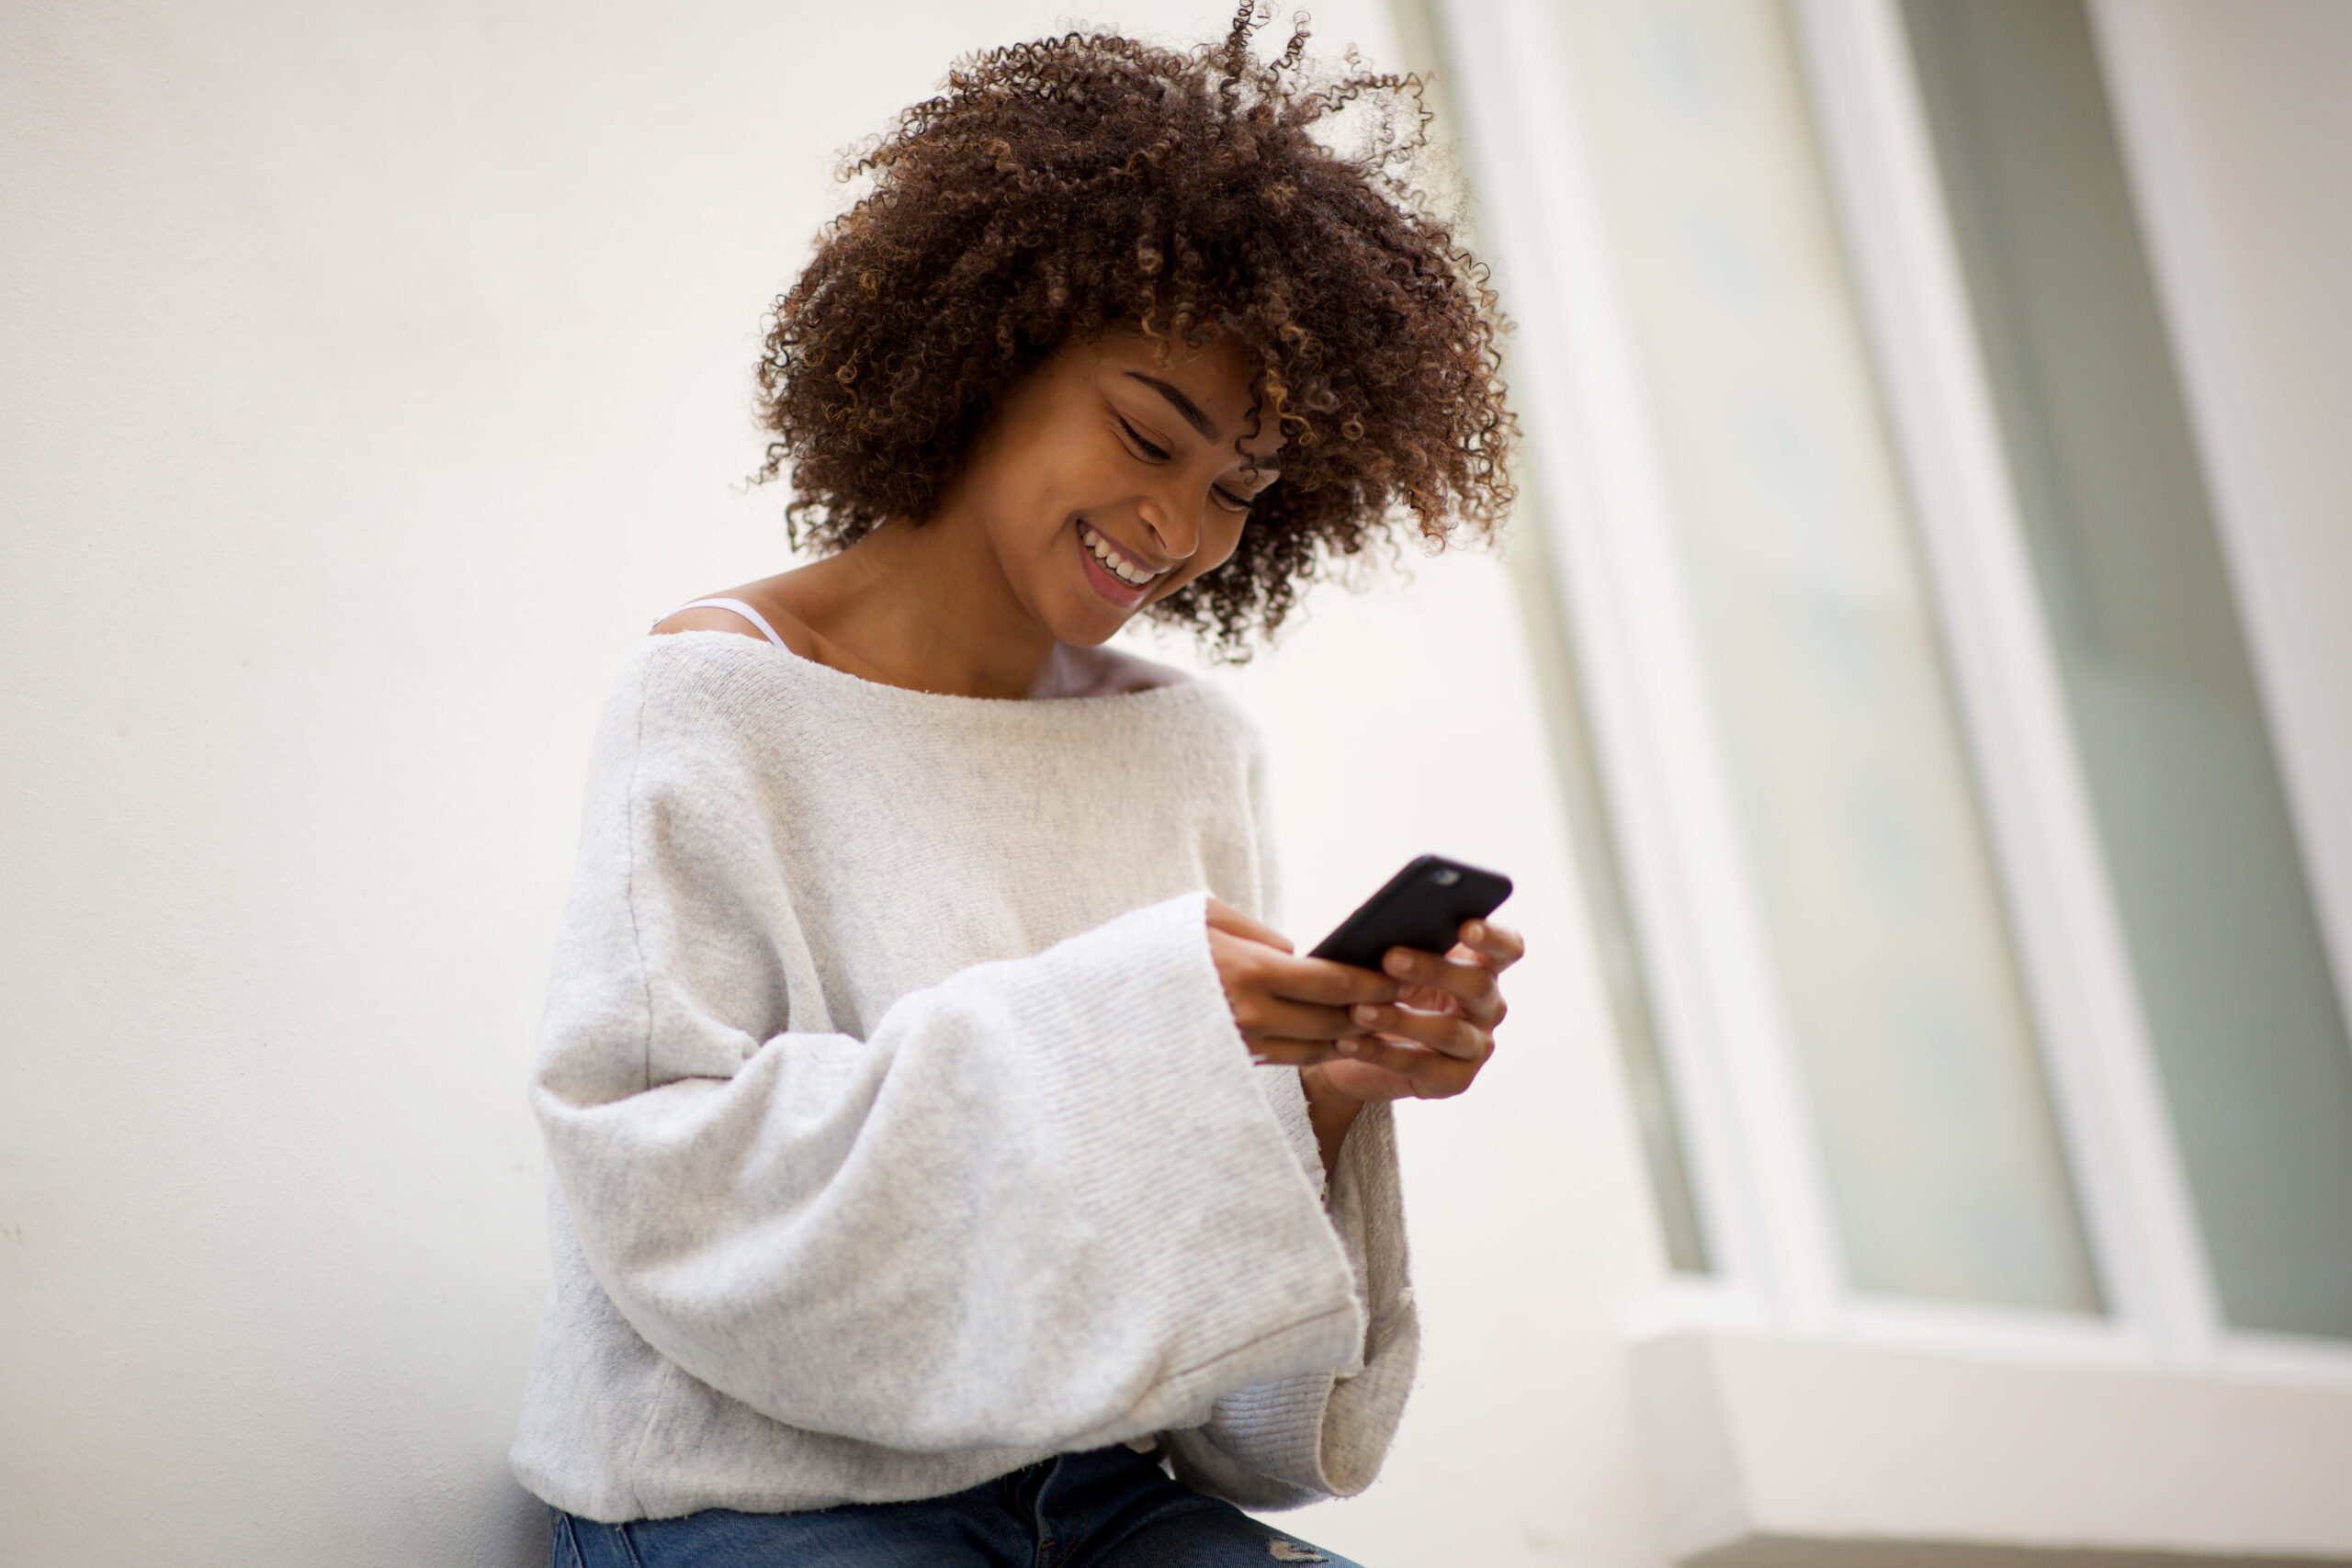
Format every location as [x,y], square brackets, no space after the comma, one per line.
[1186,685]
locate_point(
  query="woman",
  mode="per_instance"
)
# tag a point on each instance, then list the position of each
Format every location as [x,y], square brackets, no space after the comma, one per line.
[944,1143]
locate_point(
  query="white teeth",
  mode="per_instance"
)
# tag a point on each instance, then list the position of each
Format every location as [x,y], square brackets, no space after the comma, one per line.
[1120,566]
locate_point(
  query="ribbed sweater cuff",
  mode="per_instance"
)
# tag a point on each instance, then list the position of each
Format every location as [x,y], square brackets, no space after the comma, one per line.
[1326,1434]
[1184,1167]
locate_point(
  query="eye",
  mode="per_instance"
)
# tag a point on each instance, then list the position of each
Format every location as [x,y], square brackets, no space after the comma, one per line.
[1151,452]
[1231,501]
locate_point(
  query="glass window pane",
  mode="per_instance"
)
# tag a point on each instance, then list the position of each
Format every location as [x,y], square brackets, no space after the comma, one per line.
[1891,950]
[2247,1025]
[1603,878]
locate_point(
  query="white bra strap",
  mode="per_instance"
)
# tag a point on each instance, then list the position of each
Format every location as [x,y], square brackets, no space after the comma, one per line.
[739,607]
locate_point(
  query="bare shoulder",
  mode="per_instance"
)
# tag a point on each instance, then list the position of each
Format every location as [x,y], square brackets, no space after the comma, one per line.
[707,618]
[703,616]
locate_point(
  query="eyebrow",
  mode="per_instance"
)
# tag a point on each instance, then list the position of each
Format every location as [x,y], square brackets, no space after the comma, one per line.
[1180,403]
[1196,419]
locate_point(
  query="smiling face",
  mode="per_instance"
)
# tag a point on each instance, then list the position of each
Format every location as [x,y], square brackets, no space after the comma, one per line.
[1111,478]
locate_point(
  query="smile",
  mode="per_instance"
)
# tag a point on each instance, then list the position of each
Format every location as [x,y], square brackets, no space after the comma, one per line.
[1117,565]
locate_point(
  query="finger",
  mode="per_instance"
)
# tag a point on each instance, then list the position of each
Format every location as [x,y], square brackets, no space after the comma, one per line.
[1364,1082]
[1446,1033]
[1224,917]
[1428,998]
[1282,1053]
[1471,984]
[1324,981]
[1272,1018]
[1431,1075]
[1501,944]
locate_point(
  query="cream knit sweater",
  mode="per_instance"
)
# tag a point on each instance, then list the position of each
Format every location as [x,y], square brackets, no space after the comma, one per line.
[900,1130]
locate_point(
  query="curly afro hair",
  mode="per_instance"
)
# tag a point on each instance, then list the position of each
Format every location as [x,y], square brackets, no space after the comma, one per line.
[1062,188]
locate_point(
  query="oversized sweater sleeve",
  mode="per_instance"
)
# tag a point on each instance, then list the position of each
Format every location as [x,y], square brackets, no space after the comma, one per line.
[1040,1205]
[1292,1440]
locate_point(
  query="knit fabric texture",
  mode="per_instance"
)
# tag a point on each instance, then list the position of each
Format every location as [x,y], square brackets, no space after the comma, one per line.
[900,1133]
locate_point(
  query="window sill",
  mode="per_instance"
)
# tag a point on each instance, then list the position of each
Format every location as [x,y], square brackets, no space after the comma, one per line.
[1773,1452]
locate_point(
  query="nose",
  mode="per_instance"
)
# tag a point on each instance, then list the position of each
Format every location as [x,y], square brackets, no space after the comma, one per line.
[1171,537]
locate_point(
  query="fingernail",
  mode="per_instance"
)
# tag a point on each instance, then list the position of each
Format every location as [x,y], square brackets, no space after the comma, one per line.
[1476,930]
[1351,1045]
[1398,964]
[1365,1012]
[1258,1061]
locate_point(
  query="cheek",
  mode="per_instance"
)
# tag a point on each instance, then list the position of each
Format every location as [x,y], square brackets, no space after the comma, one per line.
[1077,484]
[1220,536]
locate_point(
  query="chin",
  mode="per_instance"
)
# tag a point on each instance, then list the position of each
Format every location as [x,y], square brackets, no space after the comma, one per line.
[1091,631]
[1086,619]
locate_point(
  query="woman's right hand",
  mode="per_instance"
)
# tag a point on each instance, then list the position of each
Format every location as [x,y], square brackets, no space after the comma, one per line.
[1289,1011]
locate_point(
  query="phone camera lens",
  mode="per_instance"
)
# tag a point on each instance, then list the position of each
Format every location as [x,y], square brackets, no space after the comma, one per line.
[1445,876]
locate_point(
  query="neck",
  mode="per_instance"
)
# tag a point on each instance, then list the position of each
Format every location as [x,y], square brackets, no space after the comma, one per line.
[927,608]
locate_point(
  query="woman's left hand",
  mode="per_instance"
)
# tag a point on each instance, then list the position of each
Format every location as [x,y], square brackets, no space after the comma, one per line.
[1430,1044]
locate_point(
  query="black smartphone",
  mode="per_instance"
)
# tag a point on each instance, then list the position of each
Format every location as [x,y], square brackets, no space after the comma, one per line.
[1423,906]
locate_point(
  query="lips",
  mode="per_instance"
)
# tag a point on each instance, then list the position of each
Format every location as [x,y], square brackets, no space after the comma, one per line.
[1118,562]
[1092,546]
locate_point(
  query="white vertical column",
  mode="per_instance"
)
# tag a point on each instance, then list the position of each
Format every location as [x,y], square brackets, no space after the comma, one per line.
[1882,169]
[1581,391]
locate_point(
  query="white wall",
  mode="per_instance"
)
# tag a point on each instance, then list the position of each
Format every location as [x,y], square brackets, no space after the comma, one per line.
[374,372]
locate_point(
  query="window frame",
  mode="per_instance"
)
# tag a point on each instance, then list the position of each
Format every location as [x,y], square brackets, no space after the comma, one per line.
[1607,514]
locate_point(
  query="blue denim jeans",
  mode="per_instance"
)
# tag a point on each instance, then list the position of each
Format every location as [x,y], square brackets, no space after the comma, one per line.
[1109,1508]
